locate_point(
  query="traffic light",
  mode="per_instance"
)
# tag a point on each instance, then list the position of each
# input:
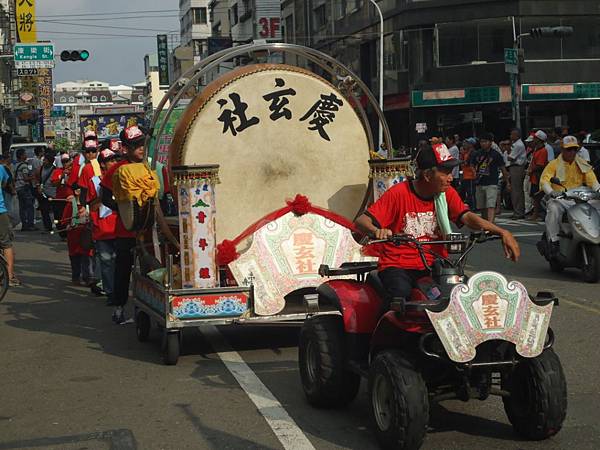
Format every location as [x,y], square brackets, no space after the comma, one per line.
[556,32]
[74,55]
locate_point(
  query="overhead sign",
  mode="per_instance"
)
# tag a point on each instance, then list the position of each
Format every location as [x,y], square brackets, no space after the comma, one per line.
[511,60]
[34,56]
[421,128]
[27,72]
[25,17]
[163,59]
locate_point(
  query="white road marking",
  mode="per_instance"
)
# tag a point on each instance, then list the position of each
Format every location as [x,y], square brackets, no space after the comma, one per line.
[528,234]
[284,427]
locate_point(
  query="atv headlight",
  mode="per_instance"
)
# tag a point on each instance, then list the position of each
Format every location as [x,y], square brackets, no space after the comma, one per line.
[586,196]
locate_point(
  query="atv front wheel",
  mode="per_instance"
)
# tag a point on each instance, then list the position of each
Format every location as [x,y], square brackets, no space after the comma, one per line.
[326,381]
[399,402]
[537,405]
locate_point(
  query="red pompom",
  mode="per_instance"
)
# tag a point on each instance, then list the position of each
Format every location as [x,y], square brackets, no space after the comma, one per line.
[226,252]
[300,205]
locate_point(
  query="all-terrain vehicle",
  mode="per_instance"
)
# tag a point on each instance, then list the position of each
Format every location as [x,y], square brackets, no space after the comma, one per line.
[454,338]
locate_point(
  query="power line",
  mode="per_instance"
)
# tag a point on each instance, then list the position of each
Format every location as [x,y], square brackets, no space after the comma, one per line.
[96,19]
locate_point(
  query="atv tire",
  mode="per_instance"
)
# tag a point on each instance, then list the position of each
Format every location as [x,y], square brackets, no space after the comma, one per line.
[537,405]
[326,381]
[399,402]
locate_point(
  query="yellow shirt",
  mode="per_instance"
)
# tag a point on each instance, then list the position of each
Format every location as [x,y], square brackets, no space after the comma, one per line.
[573,176]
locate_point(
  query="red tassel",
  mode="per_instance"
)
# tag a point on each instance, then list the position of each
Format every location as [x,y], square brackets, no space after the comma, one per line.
[300,205]
[226,252]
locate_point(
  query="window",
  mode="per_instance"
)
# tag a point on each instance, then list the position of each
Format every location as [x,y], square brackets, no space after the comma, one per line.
[198,16]
[102,98]
[63,99]
[71,99]
[94,98]
[352,6]
[288,30]
[478,40]
[319,17]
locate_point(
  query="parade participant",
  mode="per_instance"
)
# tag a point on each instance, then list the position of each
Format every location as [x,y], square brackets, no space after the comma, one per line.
[90,140]
[132,139]
[412,207]
[74,219]
[488,164]
[59,180]
[572,171]
[104,222]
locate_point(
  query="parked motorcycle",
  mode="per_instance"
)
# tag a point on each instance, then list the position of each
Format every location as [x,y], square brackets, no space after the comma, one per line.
[454,338]
[579,236]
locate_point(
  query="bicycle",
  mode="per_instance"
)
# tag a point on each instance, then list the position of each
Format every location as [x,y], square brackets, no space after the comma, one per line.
[3,275]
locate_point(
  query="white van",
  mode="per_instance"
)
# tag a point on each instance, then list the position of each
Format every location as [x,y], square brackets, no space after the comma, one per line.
[29,150]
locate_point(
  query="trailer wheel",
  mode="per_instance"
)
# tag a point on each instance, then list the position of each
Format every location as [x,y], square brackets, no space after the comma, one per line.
[142,326]
[171,347]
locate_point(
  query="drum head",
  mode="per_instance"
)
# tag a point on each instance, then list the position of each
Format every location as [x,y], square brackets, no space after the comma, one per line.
[134,217]
[276,131]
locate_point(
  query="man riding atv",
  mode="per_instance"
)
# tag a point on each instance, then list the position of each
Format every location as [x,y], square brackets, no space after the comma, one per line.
[572,171]
[422,208]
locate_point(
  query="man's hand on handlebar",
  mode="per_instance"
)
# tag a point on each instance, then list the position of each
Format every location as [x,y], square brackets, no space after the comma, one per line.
[382,233]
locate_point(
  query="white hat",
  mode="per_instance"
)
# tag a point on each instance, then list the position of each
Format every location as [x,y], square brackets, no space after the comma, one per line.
[529,138]
[570,142]
[541,135]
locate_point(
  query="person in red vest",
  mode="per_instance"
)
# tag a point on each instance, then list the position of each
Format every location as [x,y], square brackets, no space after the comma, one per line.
[132,138]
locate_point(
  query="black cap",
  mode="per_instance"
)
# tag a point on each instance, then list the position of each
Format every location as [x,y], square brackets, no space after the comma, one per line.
[435,156]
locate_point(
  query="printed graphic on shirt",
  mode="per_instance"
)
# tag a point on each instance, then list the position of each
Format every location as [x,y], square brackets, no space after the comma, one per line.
[421,224]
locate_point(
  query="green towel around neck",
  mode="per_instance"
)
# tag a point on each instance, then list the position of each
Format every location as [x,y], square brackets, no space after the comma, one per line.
[441,213]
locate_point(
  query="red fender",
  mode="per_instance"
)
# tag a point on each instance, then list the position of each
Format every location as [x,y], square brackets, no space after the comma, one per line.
[359,303]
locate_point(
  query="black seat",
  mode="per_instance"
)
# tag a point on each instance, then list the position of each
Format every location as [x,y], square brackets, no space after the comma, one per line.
[376,283]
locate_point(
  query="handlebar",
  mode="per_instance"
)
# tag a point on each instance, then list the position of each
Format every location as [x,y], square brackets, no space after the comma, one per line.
[465,244]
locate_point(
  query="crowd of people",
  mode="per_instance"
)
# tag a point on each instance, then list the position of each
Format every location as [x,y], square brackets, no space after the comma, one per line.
[506,173]
[73,194]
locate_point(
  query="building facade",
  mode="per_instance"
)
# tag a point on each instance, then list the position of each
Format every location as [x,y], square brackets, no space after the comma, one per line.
[444,60]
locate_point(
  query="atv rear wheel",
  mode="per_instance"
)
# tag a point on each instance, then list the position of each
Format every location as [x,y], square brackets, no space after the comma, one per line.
[399,402]
[326,381]
[537,405]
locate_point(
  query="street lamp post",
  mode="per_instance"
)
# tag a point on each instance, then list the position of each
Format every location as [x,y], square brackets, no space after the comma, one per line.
[380,70]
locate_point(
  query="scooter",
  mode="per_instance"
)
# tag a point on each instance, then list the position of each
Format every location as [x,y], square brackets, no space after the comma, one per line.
[579,235]
[455,338]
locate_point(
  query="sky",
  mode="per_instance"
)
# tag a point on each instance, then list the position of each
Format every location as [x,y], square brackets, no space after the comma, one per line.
[115,58]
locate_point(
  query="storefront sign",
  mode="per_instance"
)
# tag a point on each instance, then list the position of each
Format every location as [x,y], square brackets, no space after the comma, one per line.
[576,91]
[466,96]
[163,59]
[25,16]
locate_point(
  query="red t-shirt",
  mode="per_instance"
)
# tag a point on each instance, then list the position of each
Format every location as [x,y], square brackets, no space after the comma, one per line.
[62,189]
[102,228]
[74,234]
[403,212]
[120,230]
[539,160]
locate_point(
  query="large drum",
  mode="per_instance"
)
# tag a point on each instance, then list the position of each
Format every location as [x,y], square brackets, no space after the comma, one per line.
[275,131]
